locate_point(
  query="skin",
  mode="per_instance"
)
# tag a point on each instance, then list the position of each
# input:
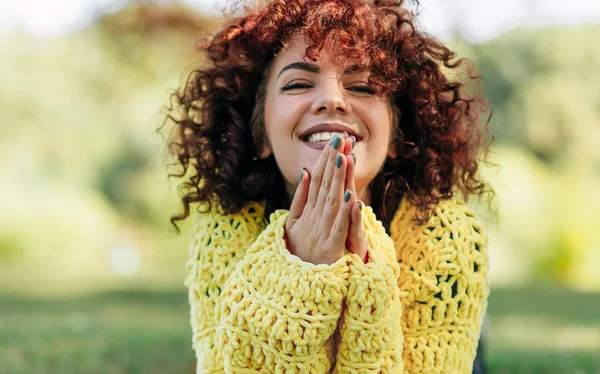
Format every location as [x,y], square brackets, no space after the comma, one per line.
[321,225]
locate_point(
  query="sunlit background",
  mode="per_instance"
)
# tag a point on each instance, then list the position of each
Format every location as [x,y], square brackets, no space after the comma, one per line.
[91,272]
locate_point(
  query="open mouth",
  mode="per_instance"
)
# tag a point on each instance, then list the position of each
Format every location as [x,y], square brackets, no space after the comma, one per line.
[322,137]
[319,140]
[315,145]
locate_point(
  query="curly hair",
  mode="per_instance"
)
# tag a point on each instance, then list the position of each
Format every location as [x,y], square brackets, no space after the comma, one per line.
[441,115]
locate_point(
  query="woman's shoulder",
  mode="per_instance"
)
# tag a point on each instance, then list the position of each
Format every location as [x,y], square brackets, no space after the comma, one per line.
[213,216]
[452,221]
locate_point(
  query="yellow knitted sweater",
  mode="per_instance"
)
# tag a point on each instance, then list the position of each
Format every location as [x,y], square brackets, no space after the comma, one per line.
[415,307]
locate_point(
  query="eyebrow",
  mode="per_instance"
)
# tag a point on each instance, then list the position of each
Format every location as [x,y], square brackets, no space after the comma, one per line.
[314,68]
[311,68]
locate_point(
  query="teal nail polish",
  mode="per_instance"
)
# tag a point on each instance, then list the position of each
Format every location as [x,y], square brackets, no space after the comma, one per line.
[353,155]
[300,175]
[338,161]
[336,141]
[353,141]
[347,196]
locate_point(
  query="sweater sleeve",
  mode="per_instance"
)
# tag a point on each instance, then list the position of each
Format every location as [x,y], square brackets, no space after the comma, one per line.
[257,308]
[444,289]
[370,332]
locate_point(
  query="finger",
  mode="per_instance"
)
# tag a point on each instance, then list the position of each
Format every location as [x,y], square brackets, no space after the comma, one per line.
[351,164]
[342,220]
[355,231]
[300,197]
[349,144]
[336,145]
[316,176]
[356,241]
[335,195]
[350,184]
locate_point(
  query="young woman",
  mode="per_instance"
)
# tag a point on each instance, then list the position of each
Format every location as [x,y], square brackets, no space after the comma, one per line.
[331,145]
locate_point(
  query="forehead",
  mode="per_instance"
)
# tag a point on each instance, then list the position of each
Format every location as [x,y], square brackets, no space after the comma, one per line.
[294,50]
[293,57]
[295,44]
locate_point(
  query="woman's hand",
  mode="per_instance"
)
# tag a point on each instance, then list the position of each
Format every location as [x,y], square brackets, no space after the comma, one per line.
[319,224]
[356,242]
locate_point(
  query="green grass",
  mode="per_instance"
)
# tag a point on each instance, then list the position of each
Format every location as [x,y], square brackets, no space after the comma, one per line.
[545,331]
[577,307]
[543,362]
[136,331]
[112,332]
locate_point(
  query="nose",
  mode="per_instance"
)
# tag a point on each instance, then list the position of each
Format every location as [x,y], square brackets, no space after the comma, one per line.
[330,99]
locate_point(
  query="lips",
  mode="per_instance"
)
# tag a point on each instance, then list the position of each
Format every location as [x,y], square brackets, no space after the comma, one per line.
[330,127]
[319,145]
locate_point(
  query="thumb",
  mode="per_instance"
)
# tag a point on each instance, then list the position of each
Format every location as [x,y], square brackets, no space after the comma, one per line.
[301,195]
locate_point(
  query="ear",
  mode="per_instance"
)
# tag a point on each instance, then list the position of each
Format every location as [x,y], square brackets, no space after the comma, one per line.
[266,152]
[392,150]
[395,119]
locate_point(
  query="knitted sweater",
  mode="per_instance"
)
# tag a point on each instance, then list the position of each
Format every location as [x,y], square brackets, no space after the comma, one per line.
[416,306]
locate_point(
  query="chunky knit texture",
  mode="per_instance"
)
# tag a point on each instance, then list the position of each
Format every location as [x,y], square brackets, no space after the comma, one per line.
[415,307]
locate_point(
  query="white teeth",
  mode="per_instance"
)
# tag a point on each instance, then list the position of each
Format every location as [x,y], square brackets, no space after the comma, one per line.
[320,137]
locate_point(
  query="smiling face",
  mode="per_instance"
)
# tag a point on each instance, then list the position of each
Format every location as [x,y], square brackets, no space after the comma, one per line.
[306,103]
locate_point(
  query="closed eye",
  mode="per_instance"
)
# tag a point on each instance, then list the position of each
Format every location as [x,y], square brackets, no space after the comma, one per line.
[299,85]
[362,89]
[295,85]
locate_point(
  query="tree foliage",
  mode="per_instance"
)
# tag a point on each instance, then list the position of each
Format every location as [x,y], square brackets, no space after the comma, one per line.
[80,113]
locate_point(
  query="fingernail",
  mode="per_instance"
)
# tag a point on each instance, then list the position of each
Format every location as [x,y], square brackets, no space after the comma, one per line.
[353,155]
[338,161]
[347,196]
[353,141]
[300,175]
[361,205]
[336,141]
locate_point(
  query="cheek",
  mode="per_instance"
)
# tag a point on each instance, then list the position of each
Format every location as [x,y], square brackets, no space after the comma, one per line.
[378,120]
[282,114]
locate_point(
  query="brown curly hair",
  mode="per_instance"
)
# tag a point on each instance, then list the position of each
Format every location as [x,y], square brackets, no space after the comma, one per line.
[442,118]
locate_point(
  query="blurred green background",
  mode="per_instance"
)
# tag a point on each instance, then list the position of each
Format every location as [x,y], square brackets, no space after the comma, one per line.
[91,272]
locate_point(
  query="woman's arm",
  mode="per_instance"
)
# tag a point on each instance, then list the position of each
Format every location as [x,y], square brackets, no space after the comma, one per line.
[370,335]
[255,306]
[444,288]
[218,243]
